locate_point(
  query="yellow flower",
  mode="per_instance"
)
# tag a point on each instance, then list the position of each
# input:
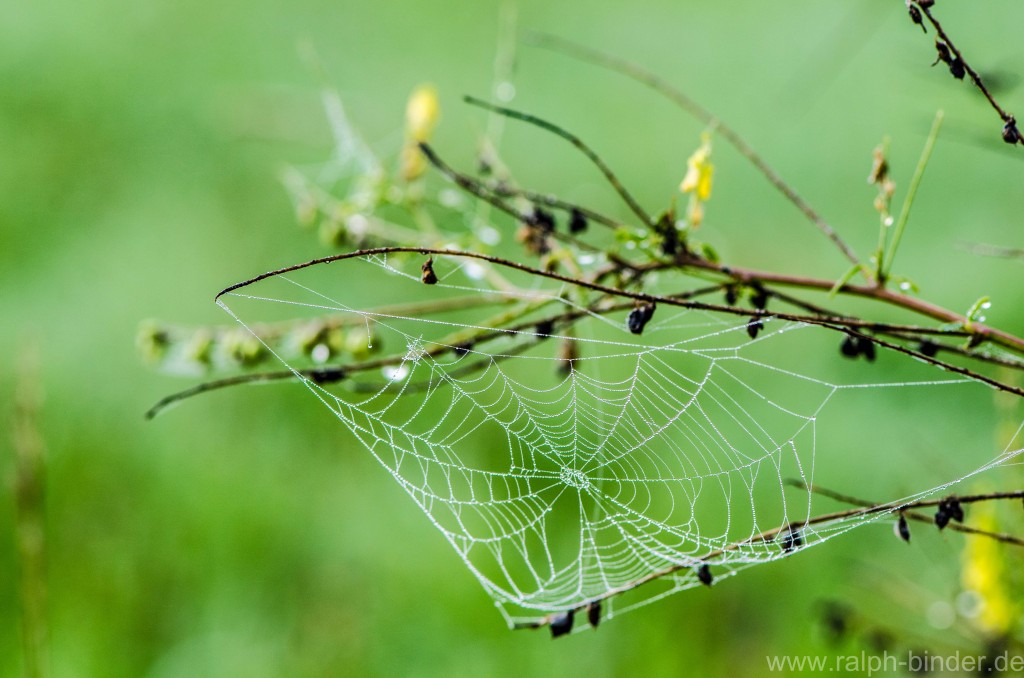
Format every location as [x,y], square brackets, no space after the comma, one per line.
[421,116]
[984,574]
[422,113]
[697,182]
[699,171]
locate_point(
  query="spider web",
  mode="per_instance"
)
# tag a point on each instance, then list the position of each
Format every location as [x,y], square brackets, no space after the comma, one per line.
[568,462]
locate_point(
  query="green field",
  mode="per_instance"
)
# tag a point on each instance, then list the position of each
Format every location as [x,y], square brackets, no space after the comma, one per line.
[245,533]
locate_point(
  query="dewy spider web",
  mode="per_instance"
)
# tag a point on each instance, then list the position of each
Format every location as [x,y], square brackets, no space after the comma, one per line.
[648,457]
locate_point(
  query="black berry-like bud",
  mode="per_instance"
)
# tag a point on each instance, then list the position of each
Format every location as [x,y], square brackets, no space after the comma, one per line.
[562,624]
[791,540]
[849,348]
[866,348]
[639,316]
[730,295]
[594,613]
[428,276]
[759,299]
[543,219]
[754,326]
[956,67]
[1011,134]
[704,575]
[577,222]
[902,529]
[915,16]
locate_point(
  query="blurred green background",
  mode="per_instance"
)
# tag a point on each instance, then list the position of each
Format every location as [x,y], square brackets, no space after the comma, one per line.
[244,533]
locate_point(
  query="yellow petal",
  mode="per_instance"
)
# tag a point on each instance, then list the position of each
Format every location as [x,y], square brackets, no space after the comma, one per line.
[422,113]
[691,179]
[704,183]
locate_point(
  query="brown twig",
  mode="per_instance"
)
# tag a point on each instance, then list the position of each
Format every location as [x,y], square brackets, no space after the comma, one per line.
[928,503]
[689,105]
[773,534]
[1005,116]
[835,324]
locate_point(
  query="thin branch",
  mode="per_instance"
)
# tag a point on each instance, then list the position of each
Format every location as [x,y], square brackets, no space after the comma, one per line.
[335,373]
[748,276]
[904,301]
[556,203]
[579,144]
[767,536]
[635,72]
[975,77]
[835,324]
[928,503]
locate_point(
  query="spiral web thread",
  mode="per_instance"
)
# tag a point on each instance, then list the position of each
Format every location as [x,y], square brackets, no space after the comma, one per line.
[653,456]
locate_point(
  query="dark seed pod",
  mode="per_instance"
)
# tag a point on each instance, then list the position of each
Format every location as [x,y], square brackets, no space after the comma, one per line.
[954,509]
[543,219]
[754,326]
[915,16]
[544,328]
[944,55]
[849,348]
[759,299]
[941,517]
[704,575]
[956,67]
[1011,134]
[533,238]
[730,295]
[577,221]
[902,529]
[928,348]
[562,624]
[925,3]
[792,540]
[428,277]
[866,348]
[594,613]
[639,317]
[462,349]
[326,375]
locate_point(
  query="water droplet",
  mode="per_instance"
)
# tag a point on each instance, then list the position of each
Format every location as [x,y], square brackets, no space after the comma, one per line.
[357,225]
[941,615]
[888,221]
[320,353]
[449,197]
[586,259]
[969,604]
[905,286]
[473,270]
[488,235]
[987,304]
[505,91]
[395,372]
